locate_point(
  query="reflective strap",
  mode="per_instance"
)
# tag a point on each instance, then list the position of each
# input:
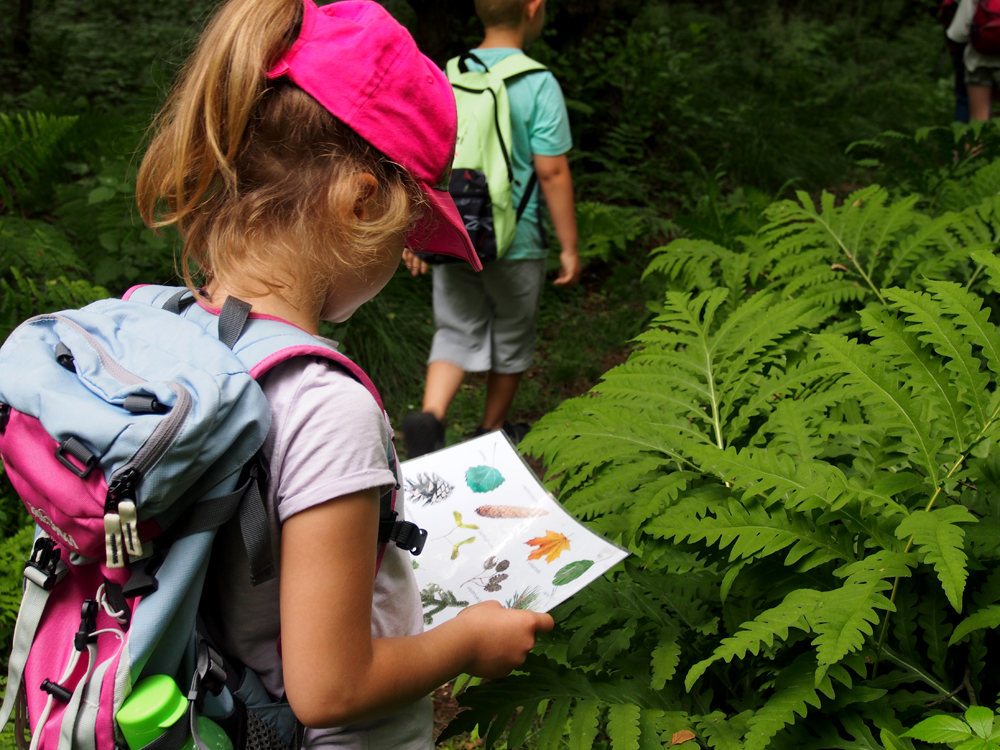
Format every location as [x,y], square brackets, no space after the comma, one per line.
[73,707]
[28,618]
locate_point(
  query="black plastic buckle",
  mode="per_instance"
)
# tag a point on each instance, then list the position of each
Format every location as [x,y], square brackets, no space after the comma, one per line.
[79,451]
[57,691]
[142,578]
[210,674]
[41,566]
[88,624]
[403,534]
[4,417]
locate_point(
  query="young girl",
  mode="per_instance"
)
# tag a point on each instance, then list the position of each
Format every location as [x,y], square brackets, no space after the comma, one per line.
[301,151]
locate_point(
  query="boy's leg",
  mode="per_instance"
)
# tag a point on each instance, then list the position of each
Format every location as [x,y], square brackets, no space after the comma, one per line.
[461,343]
[500,391]
[515,289]
[443,381]
[980,101]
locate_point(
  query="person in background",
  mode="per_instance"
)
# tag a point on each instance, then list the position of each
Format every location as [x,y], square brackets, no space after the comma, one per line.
[982,72]
[956,51]
[488,321]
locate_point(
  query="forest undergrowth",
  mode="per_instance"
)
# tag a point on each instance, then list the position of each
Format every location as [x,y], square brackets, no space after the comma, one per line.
[788,412]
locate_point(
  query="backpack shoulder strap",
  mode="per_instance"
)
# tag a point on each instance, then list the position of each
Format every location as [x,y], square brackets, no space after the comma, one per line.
[267,342]
[515,65]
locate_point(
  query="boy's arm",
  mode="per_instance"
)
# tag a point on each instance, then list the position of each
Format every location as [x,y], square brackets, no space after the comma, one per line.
[557,186]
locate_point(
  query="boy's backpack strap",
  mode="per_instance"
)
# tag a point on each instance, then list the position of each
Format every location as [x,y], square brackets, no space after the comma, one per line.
[515,65]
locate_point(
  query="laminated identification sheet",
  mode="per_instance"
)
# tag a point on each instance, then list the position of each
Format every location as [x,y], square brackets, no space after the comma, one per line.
[495,532]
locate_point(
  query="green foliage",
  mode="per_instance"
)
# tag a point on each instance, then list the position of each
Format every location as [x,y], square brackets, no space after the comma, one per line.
[974,732]
[804,462]
[27,142]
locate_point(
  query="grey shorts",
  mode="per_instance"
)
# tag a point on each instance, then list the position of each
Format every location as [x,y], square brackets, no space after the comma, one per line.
[983,76]
[487,320]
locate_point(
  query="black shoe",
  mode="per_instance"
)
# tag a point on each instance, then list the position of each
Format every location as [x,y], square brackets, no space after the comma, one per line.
[516,432]
[422,433]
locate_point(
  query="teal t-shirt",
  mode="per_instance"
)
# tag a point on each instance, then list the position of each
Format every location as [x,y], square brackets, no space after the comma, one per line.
[539,124]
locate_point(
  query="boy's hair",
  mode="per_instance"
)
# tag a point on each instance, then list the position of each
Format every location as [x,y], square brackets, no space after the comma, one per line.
[500,12]
[257,176]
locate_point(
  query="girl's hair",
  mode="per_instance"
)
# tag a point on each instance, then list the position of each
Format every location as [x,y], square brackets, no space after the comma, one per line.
[260,180]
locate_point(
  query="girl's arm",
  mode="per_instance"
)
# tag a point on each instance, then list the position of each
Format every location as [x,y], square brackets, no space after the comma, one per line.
[335,673]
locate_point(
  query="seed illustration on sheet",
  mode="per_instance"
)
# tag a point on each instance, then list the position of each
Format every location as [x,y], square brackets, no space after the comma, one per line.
[549,546]
[509,511]
[493,576]
[435,599]
[428,489]
[458,525]
[454,550]
[526,599]
[571,572]
[483,479]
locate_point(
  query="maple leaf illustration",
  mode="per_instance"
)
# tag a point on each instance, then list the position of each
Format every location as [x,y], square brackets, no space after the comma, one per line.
[549,546]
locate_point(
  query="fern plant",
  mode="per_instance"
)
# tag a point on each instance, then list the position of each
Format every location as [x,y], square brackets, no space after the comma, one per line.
[809,480]
[27,141]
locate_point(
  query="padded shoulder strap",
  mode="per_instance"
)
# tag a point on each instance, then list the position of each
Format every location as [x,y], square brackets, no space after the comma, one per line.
[516,65]
[265,343]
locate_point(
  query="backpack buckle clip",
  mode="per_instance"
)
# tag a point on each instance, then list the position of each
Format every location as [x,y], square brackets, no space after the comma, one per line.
[4,417]
[403,534]
[42,567]
[210,674]
[88,624]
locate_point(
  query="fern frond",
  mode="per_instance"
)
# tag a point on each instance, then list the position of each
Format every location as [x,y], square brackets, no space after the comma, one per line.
[774,623]
[623,726]
[27,141]
[772,476]
[987,618]
[720,733]
[933,328]
[583,726]
[972,319]
[796,692]
[845,616]
[927,375]
[871,381]
[941,541]
[665,658]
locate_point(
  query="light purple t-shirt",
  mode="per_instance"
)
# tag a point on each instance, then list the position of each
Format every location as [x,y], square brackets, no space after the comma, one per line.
[328,438]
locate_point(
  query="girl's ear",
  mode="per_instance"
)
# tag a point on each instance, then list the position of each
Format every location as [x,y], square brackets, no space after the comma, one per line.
[366,190]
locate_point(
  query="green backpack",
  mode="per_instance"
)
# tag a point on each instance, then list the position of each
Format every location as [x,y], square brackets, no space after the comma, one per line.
[482,178]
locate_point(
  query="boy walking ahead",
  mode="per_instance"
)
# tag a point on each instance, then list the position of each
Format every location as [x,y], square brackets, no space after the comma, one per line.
[487,321]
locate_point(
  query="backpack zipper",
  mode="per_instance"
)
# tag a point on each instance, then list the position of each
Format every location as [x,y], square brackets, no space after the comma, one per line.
[121,519]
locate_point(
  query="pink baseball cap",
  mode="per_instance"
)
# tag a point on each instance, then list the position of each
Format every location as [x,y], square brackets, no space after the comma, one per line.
[359,63]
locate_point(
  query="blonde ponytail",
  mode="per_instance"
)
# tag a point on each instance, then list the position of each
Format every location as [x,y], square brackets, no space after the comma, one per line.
[255,174]
[201,128]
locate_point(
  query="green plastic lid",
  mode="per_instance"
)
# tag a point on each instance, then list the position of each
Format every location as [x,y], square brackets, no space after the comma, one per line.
[155,705]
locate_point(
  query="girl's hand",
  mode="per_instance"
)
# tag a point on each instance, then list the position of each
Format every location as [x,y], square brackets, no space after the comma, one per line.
[503,637]
[415,265]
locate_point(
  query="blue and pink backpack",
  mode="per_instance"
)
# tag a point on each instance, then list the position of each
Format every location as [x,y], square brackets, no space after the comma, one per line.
[131,429]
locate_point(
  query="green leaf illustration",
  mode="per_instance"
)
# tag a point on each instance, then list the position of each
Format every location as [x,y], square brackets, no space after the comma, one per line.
[483,479]
[571,572]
